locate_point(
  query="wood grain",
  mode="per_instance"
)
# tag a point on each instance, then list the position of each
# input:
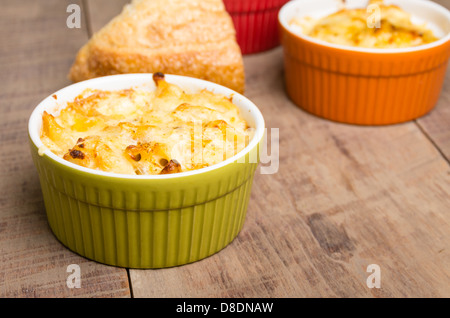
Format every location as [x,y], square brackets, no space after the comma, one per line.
[36,52]
[343,198]
[436,124]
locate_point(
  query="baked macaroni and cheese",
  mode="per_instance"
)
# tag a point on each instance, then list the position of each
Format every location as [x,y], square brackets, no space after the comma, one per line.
[143,132]
[359,27]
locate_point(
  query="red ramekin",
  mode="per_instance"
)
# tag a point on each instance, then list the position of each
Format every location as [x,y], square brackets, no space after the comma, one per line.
[256,23]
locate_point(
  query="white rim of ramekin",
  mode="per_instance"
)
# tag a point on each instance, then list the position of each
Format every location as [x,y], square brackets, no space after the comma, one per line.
[35,122]
[288,6]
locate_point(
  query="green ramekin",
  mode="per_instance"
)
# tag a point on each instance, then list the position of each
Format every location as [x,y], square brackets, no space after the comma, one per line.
[145,221]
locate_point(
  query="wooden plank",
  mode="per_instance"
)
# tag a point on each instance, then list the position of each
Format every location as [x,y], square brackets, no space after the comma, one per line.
[344,197]
[436,124]
[37,50]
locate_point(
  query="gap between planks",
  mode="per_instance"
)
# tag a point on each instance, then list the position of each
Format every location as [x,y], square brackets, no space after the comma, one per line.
[86,11]
[432,141]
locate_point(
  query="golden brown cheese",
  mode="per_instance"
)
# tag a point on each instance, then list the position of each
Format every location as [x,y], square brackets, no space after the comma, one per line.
[356,27]
[140,132]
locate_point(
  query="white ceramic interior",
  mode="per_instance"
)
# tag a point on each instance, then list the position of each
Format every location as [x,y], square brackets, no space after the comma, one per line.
[249,112]
[435,16]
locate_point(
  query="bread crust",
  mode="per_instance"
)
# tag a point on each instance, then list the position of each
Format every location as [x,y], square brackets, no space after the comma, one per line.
[192,38]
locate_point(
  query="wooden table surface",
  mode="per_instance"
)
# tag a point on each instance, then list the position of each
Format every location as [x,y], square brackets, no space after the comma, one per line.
[344,196]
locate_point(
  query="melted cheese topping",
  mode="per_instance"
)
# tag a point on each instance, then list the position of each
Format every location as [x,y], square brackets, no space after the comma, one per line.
[137,131]
[359,28]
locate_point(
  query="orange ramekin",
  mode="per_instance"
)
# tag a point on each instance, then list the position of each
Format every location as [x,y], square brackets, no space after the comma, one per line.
[364,86]
[256,23]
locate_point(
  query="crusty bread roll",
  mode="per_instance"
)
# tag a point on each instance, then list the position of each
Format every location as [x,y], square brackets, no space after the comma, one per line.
[193,38]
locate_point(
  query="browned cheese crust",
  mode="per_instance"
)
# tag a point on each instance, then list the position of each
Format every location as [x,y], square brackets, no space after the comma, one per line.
[192,38]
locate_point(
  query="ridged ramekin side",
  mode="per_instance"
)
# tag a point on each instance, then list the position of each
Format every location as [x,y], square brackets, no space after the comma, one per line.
[117,229]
